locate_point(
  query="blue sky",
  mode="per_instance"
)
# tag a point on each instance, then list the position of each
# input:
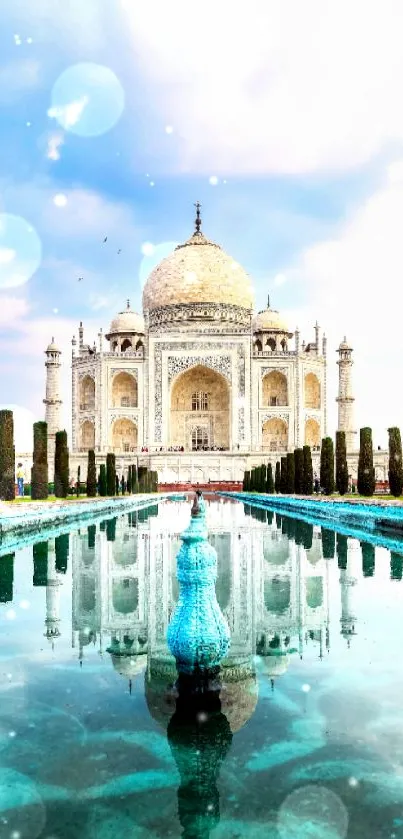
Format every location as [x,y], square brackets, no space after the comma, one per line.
[292,110]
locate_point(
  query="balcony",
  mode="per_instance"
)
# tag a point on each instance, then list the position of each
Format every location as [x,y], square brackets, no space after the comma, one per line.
[87,406]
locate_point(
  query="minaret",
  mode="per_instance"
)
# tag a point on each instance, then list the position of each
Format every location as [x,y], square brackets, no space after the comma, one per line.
[345,397]
[52,401]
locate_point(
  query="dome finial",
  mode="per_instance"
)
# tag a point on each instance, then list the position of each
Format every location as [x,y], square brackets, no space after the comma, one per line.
[198,217]
[128,304]
[268,301]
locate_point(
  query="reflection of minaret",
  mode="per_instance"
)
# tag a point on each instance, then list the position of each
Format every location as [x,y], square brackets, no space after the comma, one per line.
[348,589]
[52,597]
[52,401]
[199,736]
[345,398]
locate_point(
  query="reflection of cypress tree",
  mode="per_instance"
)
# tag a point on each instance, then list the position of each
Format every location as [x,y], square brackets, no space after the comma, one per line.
[368,559]
[396,566]
[6,578]
[153,510]
[199,736]
[291,528]
[102,525]
[40,555]
[307,535]
[328,543]
[341,542]
[92,529]
[278,521]
[247,509]
[299,532]
[269,516]
[62,552]
[132,519]
[284,526]
[111,530]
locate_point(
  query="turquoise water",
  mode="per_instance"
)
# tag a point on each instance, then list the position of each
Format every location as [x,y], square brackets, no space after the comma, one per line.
[301,735]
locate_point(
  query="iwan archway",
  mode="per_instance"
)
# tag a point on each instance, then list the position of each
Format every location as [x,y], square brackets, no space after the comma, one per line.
[199,418]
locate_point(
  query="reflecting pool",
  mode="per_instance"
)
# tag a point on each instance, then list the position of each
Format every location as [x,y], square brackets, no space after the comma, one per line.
[300,736]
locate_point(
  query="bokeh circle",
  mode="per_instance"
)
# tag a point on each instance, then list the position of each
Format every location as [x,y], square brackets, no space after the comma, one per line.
[87,99]
[312,812]
[20,250]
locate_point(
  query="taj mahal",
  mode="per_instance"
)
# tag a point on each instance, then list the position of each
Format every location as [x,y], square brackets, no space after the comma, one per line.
[200,387]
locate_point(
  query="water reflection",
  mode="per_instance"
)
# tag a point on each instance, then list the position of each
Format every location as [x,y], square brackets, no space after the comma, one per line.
[300,603]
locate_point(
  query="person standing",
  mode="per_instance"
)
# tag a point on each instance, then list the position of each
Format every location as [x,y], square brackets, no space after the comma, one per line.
[20,479]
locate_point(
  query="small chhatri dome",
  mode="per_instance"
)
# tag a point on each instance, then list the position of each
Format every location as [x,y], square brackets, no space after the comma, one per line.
[270,320]
[345,345]
[127,322]
[52,347]
[198,271]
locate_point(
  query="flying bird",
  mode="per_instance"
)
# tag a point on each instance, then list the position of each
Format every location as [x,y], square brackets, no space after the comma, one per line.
[120,250]
[79,279]
[105,240]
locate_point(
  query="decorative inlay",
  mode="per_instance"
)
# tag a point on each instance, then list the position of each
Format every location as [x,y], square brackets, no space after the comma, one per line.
[132,370]
[265,370]
[222,364]
[83,373]
[121,415]
[265,417]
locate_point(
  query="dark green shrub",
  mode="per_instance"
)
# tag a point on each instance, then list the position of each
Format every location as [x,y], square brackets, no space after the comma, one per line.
[327,466]
[277,478]
[299,471]
[110,474]
[7,456]
[395,462]
[269,480]
[91,475]
[341,463]
[307,472]
[368,559]
[328,543]
[102,480]
[40,555]
[290,484]
[61,465]
[39,471]
[62,552]
[366,471]
[7,578]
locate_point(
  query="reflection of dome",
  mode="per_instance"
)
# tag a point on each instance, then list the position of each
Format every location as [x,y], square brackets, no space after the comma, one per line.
[129,666]
[270,320]
[238,694]
[198,271]
[127,322]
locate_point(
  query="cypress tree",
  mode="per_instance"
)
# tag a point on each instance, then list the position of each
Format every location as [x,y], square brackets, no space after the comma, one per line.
[396,566]
[7,456]
[7,578]
[366,472]
[341,542]
[290,485]
[277,478]
[395,462]
[61,465]
[116,484]
[368,559]
[283,475]
[328,543]
[327,466]
[129,480]
[91,475]
[40,555]
[246,481]
[299,470]
[341,463]
[111,530]
[78,487]
[62,552]
[102,480]
[39,472]
[269,480]
[307,471]
[110,474]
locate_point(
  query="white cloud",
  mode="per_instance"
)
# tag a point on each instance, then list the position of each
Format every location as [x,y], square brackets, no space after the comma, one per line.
[68,115]
[18,77]
[354,287]
[11,309]
[285,87]
[54,143]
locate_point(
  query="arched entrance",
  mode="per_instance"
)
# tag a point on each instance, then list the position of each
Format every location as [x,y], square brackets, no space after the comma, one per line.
[312,433]
[312,391]
[200,410]
[87,434]
[124,435]
[274,389]
[275,435]
[124,391]
[87,394]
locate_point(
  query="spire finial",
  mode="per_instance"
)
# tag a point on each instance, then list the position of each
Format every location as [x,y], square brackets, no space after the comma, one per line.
[268,301]
[127,303]
[198,217]
[53,340]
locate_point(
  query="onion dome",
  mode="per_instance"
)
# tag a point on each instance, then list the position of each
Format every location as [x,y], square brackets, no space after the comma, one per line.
[270,320]
[126,322]
[52,347]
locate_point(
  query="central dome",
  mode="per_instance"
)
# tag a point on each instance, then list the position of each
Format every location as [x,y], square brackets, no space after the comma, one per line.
[198,271]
